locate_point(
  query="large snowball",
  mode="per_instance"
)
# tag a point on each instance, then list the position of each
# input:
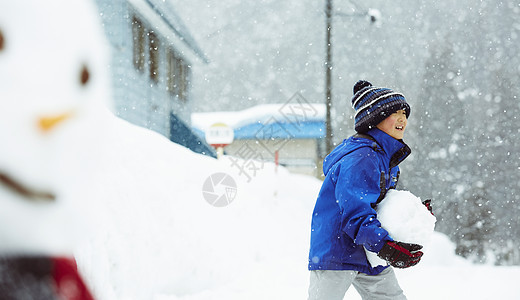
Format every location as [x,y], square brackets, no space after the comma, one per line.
[406,219]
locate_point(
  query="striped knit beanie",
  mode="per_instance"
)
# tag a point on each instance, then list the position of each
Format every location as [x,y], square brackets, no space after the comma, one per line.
[374,104]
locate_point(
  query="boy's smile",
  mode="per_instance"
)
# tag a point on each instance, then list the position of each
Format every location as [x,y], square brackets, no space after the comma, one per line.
[395,124]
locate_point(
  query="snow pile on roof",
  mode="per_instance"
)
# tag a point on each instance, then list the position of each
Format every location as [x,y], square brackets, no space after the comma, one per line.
[262,114]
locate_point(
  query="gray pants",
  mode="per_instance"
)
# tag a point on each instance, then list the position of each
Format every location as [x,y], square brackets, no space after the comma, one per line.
[332,285]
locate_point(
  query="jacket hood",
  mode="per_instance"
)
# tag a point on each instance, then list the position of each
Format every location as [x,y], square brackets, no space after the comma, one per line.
[396,149]
[346,147]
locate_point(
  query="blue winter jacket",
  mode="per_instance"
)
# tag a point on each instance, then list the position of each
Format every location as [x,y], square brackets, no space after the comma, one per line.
[358,173]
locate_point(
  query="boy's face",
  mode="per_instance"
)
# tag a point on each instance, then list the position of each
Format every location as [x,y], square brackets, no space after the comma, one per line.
[394,125]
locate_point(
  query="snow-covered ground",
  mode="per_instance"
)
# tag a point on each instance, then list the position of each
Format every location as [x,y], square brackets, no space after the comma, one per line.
[158,238]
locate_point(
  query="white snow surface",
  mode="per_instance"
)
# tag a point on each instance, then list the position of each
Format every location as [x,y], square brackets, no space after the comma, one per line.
[406,219]
[159,239]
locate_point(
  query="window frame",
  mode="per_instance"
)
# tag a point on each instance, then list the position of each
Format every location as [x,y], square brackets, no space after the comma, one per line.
[138,35]
[153,55]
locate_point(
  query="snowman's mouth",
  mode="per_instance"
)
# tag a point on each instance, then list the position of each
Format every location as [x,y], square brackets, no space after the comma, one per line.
[24,191]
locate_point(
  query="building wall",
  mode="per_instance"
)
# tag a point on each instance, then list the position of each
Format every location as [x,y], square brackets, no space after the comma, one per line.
[138,98]
[297,155]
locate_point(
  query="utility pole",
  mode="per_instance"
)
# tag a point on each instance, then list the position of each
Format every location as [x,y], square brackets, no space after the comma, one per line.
[328,77]
[374,15]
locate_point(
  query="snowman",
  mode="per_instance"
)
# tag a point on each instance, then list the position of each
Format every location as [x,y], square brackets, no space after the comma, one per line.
[53,84]
[406,219]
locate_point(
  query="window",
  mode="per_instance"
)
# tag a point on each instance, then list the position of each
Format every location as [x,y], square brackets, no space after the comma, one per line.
[171,83]
[178,76]
[185,79]
[154,56]
[138,33]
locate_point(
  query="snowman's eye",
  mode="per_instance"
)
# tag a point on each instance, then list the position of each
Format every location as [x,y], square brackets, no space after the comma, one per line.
[84,75]
[1,40]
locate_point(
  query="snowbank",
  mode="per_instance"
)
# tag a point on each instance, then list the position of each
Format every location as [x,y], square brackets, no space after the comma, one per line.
[160,239]
[159,234]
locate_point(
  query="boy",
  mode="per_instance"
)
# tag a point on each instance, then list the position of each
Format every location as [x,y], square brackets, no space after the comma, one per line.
[358,173]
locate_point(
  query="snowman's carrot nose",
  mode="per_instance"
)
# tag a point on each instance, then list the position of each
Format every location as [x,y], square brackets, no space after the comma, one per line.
[47,123]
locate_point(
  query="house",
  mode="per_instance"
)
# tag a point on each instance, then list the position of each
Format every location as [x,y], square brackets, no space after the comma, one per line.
[290,133]
[152,58]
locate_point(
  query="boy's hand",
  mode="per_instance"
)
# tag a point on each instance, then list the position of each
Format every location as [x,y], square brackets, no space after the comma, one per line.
[401,255]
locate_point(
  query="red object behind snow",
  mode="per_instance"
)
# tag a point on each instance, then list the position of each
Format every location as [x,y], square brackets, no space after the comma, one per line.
[68,283]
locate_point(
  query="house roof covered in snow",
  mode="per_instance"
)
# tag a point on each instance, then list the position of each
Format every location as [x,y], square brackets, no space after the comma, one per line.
[281,121]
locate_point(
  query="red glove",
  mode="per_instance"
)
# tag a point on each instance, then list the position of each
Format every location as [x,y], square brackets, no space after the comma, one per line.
[401,255]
